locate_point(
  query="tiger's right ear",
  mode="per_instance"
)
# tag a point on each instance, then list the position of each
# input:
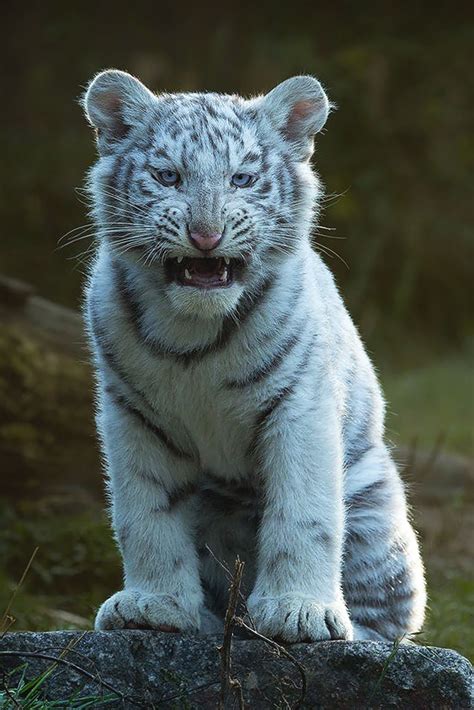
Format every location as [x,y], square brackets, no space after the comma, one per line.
[114,102]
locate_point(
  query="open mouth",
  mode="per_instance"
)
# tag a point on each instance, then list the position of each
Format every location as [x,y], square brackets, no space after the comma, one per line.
[203,272]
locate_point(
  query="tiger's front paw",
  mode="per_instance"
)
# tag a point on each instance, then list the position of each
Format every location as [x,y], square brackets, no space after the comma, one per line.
[294,618]
[132,609]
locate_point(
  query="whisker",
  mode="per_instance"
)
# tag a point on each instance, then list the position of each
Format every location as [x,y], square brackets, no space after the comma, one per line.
[331,253]
[122,198]
[93,226]
[327,236]
[333,197]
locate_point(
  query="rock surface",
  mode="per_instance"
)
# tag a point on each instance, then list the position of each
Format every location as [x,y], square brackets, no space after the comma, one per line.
[153,670]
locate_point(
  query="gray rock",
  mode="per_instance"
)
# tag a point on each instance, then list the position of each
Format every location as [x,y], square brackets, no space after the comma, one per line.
[149,669]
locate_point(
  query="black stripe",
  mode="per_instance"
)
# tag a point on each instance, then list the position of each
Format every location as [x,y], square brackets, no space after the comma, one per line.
[161,153]
[365,497]
[272,404]
[268,411]
[353,455]
[229,495]
[112,180]
[296,191]
[211,109]
[283,556]
[249,304]
[362,439]
[165,439]
[109,357]
[181,494]
[225,504]
[129,301]
[251,157]
[353,537]
[242,231]
[104,348]
[318,532]
[240,221]
[264,188]
[147,192]
[229,326]
[390,621]
[284,319]
[168,230]
[379,625]
[390,598]
[172,221]
[270,366]
[239,485]
[389,565]
[125,179]
[212,142]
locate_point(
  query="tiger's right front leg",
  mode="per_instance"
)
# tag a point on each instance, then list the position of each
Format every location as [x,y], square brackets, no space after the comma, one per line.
[152,484]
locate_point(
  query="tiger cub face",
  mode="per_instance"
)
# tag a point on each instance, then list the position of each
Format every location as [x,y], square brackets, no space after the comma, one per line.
[206,193]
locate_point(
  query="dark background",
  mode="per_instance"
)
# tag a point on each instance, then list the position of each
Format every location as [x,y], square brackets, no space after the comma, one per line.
[400,148]
[397,160]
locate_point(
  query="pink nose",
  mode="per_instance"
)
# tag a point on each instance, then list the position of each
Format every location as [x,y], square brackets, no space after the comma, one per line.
[205,242]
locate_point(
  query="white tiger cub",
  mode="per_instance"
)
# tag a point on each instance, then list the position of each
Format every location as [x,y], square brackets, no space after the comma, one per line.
[237,408]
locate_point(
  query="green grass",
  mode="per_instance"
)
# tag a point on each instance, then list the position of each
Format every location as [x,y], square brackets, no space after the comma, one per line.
[432,404]
[449,615]
[76,567]
[16,691]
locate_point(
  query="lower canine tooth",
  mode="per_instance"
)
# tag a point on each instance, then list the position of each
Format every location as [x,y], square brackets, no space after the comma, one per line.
[224,275]
[187,274]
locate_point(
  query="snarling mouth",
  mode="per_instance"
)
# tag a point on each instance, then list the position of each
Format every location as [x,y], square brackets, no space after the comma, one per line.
[203,272]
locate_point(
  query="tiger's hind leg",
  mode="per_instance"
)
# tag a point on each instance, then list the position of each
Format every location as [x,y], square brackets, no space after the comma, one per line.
[383,578]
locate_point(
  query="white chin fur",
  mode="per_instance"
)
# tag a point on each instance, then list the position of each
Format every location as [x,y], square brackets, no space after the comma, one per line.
[203,303]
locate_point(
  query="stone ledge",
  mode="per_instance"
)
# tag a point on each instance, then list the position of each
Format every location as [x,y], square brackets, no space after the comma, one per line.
[151,669]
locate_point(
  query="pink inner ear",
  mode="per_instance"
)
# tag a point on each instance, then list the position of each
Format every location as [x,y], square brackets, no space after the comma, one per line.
[109,107]
[299,113]
[302,109]
[109,102]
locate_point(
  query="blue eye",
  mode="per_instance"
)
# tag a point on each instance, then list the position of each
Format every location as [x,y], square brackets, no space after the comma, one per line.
[243,180]
[168,178]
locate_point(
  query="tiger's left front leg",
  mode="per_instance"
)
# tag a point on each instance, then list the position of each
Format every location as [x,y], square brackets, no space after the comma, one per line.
[297,594]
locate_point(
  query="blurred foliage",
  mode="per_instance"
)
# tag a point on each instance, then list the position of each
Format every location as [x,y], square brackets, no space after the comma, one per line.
[46,416]
[449,615]
[432,405]
[76,567]
[400,149]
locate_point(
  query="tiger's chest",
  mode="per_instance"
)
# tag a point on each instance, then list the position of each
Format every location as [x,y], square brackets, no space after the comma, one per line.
[195,401]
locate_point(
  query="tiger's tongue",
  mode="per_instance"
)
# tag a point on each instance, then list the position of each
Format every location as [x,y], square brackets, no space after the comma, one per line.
[206,267]
[204,272]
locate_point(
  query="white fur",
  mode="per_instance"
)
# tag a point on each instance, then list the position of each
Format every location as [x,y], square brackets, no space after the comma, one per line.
[303,457]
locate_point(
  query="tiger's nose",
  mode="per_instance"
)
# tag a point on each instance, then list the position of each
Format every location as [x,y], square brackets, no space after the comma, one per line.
[205,241]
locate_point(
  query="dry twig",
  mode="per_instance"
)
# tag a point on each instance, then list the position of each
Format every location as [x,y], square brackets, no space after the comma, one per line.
[230,687]
[7,619]
[280,650]
[238,621]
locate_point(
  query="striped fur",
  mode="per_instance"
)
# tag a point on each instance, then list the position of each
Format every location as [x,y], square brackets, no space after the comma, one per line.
[242,420]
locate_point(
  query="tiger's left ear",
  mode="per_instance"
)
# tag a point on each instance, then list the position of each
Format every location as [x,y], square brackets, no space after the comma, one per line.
[298,108]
